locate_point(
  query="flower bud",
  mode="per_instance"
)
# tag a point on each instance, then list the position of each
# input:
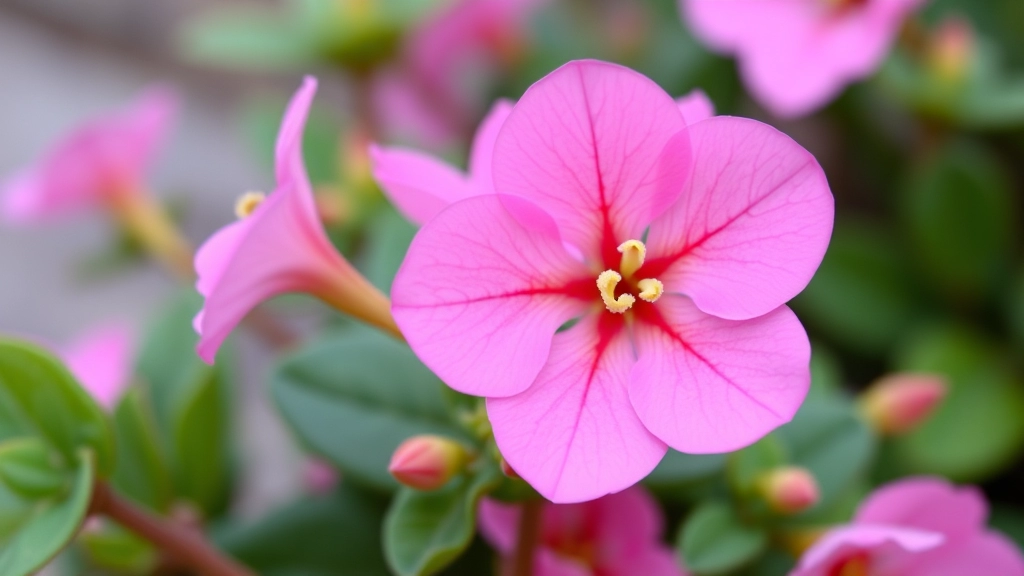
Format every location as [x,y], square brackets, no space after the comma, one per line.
[951,49]
[789,489]
[427,462]
[899,403]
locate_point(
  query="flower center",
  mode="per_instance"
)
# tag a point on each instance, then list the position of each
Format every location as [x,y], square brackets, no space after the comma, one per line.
[248,203]
[839,5]
[608,282]
[856,566]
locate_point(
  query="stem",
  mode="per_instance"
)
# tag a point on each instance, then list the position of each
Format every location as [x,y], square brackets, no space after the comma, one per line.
[178,541]
[528,538]
[147,222]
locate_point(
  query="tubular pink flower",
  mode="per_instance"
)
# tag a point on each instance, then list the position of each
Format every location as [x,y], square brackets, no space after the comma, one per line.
[102,360]
[94,164]
[797,55]
[618,535]
[684,341]
[696,106]
[921,526]
[278,247]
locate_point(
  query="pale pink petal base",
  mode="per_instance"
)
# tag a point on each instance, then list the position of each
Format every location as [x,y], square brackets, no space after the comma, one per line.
[418,185]
[707,385]
[102,362]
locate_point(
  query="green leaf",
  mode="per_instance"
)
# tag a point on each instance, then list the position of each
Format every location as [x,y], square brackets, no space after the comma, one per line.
[51,525]
[747,465]
[117,549]
[426,531]
[678,472]
[1010,521]
[714,540]
[979,427]
[826,373]
[248,39]
[389,236]
[1016,311]
[28,467]
[861,296]
[190,403]
[141,473]
[959,211]
[337,534]
[42,399]
[828,438]
[353,398]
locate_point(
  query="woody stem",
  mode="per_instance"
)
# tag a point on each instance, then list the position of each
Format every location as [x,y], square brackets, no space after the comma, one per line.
[528,538]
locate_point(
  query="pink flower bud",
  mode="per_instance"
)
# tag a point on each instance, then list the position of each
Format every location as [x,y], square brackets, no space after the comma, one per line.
[319,477]
[899,403]
[427,462]
[951,49]
[789,489]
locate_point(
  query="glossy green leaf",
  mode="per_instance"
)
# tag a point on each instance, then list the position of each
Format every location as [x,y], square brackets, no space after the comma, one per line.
[959,212]
[42,399]
[354,397]
[117,549]
[190,403]
[426,531]
[29,467]
[979,427]
[141,473]
[337,534]
[715,540]
[51,524]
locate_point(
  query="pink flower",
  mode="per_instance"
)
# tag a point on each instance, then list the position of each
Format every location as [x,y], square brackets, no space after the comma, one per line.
[682,341]
[420,186]
[95,164]
[797,55]
[915,527]
[102,362]
[618,535]
[278,246]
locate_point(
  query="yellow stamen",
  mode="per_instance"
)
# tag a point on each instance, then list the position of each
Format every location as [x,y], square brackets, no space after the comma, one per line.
[650,289]
[633,253]
[247,204]
[606,283]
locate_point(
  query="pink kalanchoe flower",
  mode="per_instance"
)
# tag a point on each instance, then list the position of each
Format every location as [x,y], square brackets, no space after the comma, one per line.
[102,362]
[618,535]
[682,340]
[95,164]
[278,246]
[420,185]
[797,55]
[915,527]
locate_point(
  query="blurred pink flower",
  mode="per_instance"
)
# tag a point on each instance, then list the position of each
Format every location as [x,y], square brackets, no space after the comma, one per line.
[278,246]
[319,476]
[617,535]
[420,185]
[684,341]
[915,527]
[102,361]
[95,163]
[797,55]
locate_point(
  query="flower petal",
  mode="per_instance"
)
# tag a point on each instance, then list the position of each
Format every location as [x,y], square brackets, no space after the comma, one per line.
[417,184]
[481,158]
[751,226]
[628,535]
[585,144]
[482,290]
[499,524]
[696,106]
[982,553]
[928,503]
[289,165]
[573,435]
[102,361]
[707,385]
[884,545]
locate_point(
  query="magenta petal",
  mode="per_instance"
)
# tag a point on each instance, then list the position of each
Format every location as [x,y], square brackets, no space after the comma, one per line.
[418,185]
[706,385]
[628,535]
[499,524]
[928,503]
[584,143]
[102,361]
[696,106]
[573,435]
[482,291]
[481,158]
[981,553]
[751,226]
[885,546]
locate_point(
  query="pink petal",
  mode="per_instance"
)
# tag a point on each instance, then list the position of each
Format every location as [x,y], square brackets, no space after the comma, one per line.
[418,185]
[482,153]
[585,144]
[499,524]
[289,165]
[928,503]
[550,563]
[21,201]
[884,544]
[483,288]
[573,435]
[629,529]
[751,226]
[707,385]
[982,553]
[658,560]
[696,106]
[102,362]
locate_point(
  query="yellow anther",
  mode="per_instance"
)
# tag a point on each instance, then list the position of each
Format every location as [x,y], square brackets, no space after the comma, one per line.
[606,283]
[633,253]
[650,289]
[247,204]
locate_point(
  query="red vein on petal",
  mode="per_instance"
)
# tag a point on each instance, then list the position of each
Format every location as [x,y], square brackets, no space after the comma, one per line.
[608,244]
[581,289]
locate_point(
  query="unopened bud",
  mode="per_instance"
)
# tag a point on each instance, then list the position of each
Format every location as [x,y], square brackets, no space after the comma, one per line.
[319,477]
[428,462]
[951,49]
[507,470]
[789,489]
[899,403]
